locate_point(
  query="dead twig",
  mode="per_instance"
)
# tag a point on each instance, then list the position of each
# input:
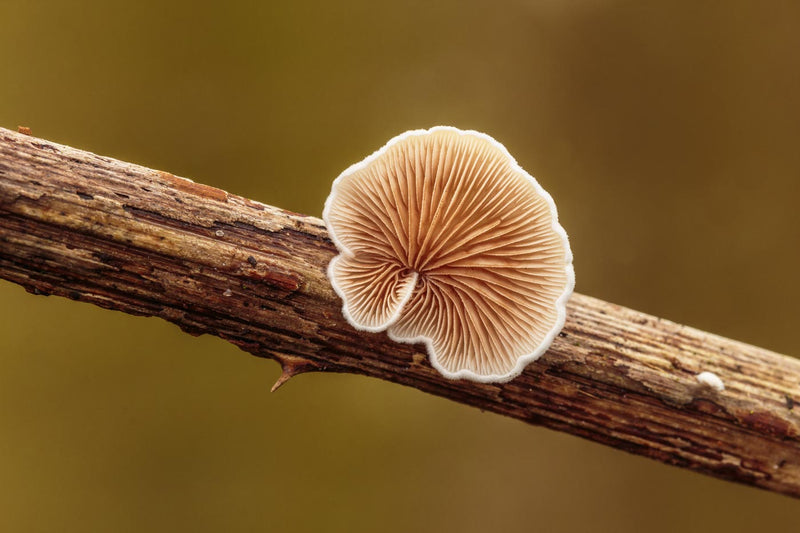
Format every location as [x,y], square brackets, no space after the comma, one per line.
[145,242]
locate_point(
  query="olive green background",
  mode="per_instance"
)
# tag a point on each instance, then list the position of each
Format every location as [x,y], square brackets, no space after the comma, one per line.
[667,132]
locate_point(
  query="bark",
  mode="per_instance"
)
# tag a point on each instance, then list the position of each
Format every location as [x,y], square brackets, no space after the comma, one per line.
[146,242]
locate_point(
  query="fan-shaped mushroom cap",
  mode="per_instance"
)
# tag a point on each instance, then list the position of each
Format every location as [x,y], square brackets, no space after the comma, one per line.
[444,239]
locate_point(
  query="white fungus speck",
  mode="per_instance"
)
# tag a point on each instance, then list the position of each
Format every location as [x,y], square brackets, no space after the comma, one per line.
[219,233]
[229,292]
[711,380]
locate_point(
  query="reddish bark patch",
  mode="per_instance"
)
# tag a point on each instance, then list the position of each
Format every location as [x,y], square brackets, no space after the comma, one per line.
[198,189]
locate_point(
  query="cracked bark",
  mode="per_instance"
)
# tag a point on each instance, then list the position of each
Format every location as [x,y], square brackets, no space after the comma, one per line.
[146,242]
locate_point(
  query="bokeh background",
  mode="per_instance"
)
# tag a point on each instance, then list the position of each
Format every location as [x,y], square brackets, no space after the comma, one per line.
[667,131]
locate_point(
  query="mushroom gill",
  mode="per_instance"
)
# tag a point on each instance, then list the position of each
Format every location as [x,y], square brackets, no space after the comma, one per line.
[444,239]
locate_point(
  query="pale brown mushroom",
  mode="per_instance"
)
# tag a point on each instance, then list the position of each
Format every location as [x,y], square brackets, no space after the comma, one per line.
[445,240]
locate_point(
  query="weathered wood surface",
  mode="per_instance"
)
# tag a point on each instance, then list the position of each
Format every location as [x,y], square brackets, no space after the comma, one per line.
[146,242]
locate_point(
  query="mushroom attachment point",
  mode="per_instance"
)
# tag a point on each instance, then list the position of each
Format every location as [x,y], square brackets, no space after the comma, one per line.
[444,239]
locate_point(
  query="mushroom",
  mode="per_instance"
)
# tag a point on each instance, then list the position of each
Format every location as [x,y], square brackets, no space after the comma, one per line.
[445,240]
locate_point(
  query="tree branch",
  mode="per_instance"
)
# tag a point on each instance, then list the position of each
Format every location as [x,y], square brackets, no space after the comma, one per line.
[146,242]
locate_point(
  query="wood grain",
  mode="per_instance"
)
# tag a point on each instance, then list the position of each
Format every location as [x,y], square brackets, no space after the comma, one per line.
[145,242]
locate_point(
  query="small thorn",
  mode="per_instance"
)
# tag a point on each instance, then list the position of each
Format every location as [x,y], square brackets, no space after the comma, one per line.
[285,376]
[290,370]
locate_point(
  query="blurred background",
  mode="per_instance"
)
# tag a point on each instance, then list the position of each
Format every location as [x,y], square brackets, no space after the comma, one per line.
[666,131]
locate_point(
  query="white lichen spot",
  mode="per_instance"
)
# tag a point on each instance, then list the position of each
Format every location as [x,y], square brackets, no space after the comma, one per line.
[227,292]
[711,380]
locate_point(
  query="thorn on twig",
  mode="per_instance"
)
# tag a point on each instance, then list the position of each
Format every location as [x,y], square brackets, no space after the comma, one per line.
[290,369]
[284,377]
